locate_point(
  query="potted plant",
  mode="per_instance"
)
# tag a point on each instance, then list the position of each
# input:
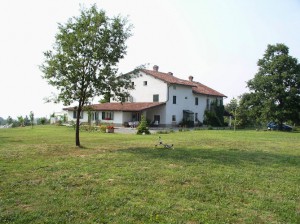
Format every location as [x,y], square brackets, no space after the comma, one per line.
[110,129]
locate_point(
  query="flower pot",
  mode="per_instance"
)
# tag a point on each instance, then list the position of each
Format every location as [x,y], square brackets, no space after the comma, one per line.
[111,130]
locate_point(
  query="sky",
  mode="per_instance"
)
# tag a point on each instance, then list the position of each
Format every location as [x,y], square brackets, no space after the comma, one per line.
[218,42]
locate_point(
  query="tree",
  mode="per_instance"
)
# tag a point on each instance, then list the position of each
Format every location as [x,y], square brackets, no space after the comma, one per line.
[31,115]
[143,127]
[42,120]
[215,115]
[83,63]
[242,112]
[9,120]
[275,89]
[232,107]
[21,121]
[106,98]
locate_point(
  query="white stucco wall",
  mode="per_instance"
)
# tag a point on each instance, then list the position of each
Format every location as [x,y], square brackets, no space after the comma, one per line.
[144,93]
[161,111]
[83,119]
[185,100]
[117,118]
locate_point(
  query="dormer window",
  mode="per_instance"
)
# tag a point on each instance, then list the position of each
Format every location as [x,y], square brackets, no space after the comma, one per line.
[145,83]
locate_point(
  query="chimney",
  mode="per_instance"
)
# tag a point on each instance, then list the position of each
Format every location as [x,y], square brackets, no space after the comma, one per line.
[191,78]
[170,73]
[155,68]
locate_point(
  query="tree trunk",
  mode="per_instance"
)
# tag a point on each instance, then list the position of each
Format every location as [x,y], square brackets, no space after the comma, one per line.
[77,127]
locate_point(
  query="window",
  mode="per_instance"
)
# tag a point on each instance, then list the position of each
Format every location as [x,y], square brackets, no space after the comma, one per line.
[107,115]
[221,102]
[196,117]
[155,98]
[174,99]
[196,100]
[75,114]
[145,83]
[94,116]
[174,87]
[173,117]
[185,97]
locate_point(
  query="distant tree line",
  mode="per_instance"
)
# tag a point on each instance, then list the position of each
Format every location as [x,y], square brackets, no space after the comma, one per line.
[21,121]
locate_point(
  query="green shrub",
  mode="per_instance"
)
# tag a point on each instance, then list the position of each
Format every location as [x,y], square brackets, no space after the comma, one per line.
[143,127]
[103,128]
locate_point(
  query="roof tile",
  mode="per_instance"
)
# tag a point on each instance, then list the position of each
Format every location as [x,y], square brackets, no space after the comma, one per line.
[196,86]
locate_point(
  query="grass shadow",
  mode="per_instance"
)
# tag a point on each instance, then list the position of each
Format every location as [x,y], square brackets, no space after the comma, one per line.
[233,157]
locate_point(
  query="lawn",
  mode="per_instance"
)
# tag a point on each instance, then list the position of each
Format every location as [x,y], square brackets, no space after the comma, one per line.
[210,177]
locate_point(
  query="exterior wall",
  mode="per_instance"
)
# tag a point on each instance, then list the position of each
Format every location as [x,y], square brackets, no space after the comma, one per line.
[118,118]
[161,111]
[126,116]
[83,119]
[185,100]
[144,93]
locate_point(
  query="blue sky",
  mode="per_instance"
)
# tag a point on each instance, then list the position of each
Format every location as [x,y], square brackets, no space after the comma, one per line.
[217,42]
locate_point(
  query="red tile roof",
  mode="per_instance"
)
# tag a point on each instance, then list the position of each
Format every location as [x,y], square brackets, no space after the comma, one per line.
[168,78]
[197,87]
[122,106]
[203,89]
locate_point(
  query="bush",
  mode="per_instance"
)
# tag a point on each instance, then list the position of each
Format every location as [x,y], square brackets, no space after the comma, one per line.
[143,127]
[103,128]
[186,123]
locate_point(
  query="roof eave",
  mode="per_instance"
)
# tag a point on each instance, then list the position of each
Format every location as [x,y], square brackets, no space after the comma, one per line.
[206,94]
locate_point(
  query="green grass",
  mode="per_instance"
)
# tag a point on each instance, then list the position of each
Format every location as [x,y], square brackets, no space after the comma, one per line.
[210,177]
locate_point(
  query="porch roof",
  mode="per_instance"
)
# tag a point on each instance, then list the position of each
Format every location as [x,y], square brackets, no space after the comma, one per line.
[130,107]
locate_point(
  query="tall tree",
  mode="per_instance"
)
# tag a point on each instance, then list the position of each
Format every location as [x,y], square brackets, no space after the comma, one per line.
[31,115]
[275,89]
[242,111]
[83,63]
[21,121]
[232,107]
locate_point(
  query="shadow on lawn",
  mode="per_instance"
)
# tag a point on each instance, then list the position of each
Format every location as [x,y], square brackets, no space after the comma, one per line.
[226,157]
[4,140]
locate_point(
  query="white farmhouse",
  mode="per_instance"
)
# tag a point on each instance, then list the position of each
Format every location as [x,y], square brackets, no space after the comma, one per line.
[161,97]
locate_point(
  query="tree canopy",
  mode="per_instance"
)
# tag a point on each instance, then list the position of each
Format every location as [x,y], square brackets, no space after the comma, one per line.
[275,89]
[84,59]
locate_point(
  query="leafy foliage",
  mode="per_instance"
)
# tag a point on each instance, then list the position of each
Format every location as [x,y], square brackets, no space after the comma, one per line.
[31,115]
[83,63]
[143,126]
[242,112]
[214,116]
[275,89]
